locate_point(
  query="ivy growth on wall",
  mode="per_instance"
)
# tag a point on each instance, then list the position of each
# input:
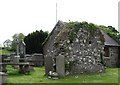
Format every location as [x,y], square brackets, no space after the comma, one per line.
[75,26]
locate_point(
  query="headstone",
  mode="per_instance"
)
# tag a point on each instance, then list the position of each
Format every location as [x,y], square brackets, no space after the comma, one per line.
[48,64]
[60,65]
[3,78]
[22,49]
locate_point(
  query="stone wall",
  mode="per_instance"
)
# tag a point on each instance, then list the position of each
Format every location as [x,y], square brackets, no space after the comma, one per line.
[112,60]
[37,59]
[119,57]
[113,56]
[83,54]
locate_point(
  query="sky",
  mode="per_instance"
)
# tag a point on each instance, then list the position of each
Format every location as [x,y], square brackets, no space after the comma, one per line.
[26,16]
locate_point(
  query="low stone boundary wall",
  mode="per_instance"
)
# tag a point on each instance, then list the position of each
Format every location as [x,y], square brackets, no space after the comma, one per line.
[37,59]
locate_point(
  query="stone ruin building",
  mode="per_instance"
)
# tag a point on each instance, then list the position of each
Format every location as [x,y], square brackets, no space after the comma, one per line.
[112,51]
[71,48]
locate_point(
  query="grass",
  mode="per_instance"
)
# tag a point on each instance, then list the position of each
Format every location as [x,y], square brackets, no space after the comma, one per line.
[37,76]
[4,51]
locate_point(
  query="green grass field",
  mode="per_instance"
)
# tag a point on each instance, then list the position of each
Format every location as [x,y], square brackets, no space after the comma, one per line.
[37,76]
[4,51]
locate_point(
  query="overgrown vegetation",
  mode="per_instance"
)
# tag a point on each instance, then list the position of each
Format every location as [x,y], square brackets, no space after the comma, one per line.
[75,26]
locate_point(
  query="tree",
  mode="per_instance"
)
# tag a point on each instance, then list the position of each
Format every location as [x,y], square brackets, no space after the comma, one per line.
[112,32]
[7,43]
[113,29]
[34,41]
[16,38]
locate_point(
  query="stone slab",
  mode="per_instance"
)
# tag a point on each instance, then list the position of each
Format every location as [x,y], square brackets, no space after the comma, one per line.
[48,64]
[60,65]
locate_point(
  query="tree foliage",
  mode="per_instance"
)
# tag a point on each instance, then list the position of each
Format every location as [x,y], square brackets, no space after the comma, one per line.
[7,44]
[34,41]
[16,39]
[112,32]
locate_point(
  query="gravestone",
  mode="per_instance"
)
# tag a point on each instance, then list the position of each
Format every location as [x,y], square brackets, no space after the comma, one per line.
[48,64]
[22,49]
[15,58]
[17,47]
[60,65]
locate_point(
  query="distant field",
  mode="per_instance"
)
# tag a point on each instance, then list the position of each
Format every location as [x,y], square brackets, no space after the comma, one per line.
[37,76]
[5,52]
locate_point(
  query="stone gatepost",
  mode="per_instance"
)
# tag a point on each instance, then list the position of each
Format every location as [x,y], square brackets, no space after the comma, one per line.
[60,65]
[3,78]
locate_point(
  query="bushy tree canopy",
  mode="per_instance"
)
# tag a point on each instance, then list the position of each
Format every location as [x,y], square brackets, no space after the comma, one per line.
[34,41]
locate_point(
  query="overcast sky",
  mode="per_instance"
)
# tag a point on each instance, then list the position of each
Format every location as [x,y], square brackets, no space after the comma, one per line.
[26,16]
